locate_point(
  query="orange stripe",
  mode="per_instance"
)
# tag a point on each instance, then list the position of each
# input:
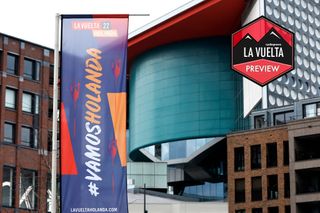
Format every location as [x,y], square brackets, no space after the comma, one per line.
[117,103]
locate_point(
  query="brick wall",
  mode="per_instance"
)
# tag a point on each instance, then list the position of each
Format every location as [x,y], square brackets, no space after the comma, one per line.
[246,140]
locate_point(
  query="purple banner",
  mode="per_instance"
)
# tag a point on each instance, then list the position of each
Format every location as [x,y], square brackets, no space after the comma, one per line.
[93,113]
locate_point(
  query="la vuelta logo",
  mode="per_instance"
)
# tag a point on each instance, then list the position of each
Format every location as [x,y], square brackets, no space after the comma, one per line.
[262,51]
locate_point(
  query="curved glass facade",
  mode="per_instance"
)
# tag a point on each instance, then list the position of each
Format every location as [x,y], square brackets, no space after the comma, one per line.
[182,91]
[177,149]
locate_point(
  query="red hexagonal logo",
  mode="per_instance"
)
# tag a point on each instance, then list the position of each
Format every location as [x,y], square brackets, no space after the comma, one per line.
[262,51]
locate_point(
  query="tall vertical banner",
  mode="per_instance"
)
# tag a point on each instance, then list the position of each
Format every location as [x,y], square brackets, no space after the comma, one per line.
[93,113]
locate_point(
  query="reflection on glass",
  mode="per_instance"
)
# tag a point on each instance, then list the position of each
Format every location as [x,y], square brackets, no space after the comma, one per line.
[177,149]
[311,110]
[8,187]
[209,191]
[28,184]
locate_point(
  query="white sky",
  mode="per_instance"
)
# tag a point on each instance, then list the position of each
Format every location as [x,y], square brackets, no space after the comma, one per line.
[34,20]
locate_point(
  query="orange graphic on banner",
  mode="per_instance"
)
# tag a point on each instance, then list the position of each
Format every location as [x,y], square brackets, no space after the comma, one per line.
[68,164]
[117,103]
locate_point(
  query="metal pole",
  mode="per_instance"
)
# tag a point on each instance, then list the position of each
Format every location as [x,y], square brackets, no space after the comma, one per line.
[144,199]
[55,119]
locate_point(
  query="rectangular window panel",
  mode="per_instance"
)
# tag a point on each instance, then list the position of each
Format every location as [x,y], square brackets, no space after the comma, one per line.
[285,153]
[289,116]
[8,186]
[50,141]
[310,110]
[279,119]
[287,209]
[286,185]
[272,156]
[28,68]
[283,118]
[257,210]
[9,132]
[255,157]
[36,104]
[1,55]
[239,159]
[30,103]
[240,195]
[50,108]
[27,102]
[35,138]
[28,189]
[256,188]
[272,187]
[241,211]
[259,122]
[10,100]
[51,74]
[12,64]
[29,137]
[36,74]
[31,69]
[273,210]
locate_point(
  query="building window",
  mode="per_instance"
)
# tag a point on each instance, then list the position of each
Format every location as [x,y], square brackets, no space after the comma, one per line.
[259,121]
[239,159]
[12,64]
[30,103]
[49,141]
[273,210]
[157,151]
[28,189]
[285,153]
[287,209]
[29,137]
[241,211]
[311,110]
[272,156]
[11,97]
[50,108]
[8,186]
[51,74]
[283,118]
[31,69]
[286,185]
[272,187]
[1,55]
[240,195]
[256,189]
[9,132]
[256,157]
[256,210]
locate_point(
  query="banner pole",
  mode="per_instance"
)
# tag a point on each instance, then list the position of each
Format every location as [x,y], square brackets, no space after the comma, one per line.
[55,119]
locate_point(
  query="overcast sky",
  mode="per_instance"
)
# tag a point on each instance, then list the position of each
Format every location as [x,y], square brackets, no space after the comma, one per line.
[34,20]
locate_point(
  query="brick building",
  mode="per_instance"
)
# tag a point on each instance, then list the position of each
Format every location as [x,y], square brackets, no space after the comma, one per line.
[275,167]
[258,171]
[25,121]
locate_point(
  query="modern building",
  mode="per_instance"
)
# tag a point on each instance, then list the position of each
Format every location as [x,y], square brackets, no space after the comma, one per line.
[25,120]
[183,96]
[275,166]
[302,18]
